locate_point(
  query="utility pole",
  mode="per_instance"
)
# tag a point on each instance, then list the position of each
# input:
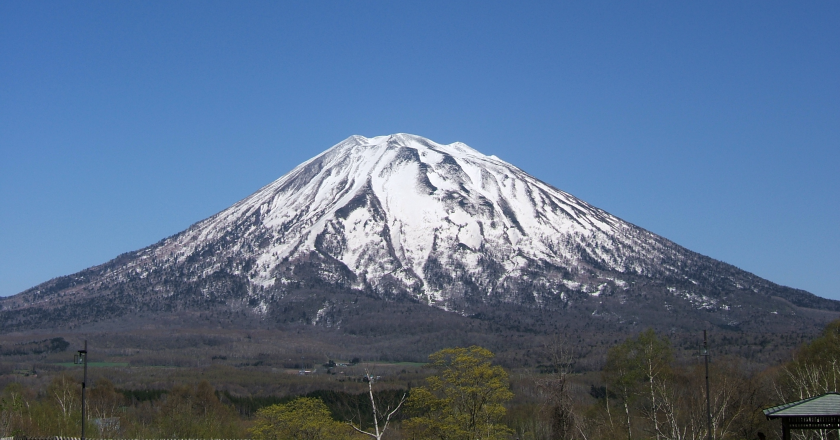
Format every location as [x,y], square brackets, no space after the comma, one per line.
[708,397]
[81,358]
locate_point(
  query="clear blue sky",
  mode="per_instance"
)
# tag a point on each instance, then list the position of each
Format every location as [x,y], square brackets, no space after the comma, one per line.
[715,124]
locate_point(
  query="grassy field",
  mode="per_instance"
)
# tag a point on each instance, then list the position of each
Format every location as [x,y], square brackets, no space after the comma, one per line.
[401,364]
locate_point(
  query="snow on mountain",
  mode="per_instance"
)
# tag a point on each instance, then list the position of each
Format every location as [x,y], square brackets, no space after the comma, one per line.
[401,208]
[401,216]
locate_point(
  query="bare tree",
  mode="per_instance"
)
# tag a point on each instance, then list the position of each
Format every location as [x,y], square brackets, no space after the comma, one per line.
[12,403]
[671,404]
[682,403]
[65,390]
[378,416]
[555,389]
[811,378]
[808,378]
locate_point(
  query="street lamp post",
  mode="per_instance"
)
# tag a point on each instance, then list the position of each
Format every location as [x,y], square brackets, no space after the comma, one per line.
[705,353]
[81,358]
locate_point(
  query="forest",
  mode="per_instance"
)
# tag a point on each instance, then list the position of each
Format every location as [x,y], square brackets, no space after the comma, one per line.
[645,388]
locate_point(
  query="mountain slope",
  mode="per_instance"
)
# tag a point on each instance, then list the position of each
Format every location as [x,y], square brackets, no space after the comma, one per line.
[403,218]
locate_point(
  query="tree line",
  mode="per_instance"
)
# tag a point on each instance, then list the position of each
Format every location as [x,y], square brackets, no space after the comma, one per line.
[644,391]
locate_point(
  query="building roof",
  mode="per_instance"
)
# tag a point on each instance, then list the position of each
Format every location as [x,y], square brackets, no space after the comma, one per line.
[824,405]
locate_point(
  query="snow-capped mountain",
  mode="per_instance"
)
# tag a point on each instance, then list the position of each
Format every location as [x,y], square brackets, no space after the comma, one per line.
[404,214]
[402,217]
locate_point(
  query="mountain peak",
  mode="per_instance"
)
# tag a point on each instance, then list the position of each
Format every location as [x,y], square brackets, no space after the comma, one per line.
[393,207]
[409,141]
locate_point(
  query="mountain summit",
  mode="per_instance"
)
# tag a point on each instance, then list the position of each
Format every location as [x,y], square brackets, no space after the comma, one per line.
[403,218]
[401,214]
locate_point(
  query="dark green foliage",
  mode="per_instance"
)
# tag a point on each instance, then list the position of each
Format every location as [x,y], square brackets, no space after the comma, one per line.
[343,406]
[356,407]
[52,345]
[248,406]
[137,396]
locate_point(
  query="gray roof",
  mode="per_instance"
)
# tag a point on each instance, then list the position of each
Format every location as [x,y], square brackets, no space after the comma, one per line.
[824,405]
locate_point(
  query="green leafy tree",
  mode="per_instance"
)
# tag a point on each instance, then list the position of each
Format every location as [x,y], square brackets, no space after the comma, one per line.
[622,377]
[637,371]
[815,369]
[464,400]
[305,418]
[14,405]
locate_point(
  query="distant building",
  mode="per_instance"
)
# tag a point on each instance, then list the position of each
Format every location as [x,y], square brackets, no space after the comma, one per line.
[111,424]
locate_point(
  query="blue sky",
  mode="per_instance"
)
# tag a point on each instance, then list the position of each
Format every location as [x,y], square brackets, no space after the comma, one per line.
[714,124]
